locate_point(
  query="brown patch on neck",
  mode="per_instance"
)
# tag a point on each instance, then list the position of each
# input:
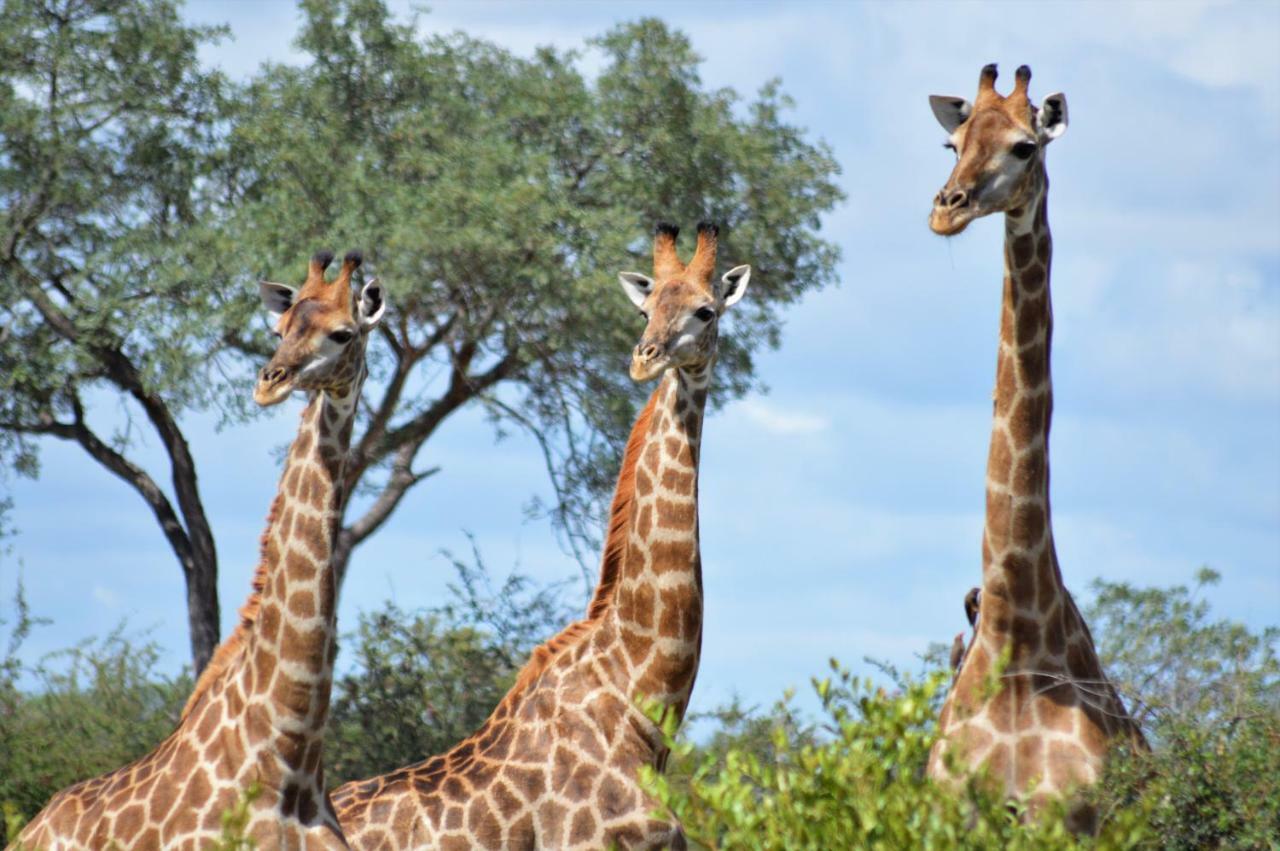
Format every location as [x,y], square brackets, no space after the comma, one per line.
[228,653]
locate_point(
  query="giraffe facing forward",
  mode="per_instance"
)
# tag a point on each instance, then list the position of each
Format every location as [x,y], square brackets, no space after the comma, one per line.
[257,713]
[555,765]
[1047,729]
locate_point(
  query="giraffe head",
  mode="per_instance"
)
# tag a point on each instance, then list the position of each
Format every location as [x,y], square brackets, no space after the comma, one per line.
[682,305]
[999,144]
[322,331]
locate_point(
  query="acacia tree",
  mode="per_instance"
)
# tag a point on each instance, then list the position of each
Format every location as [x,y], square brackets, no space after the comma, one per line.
[105,123]
[496,197]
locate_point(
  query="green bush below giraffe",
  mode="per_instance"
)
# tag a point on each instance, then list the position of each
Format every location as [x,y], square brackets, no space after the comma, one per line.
[1207,691]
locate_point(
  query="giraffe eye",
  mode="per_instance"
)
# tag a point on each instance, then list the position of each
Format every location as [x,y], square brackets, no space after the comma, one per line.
[1023,150]
[950,147]
[704,314]
[645,314]
[341,336]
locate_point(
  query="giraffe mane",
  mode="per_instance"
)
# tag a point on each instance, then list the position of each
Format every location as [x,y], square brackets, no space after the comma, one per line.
[615,550]
[228,651]
[615,542]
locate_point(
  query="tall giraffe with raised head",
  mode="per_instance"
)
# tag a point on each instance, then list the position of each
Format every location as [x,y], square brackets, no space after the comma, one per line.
[555,765]
[257,714]
[1047,729]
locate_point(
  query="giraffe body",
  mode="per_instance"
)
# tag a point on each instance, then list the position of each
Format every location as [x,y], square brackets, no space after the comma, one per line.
[257,714]
[1045,731]
[556,764]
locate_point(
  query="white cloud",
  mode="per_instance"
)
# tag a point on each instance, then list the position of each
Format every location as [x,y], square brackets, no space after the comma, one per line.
[106,596]
[779,422]
[1176,327]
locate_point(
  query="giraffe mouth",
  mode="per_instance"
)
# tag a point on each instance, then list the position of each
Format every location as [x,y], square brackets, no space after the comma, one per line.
[274,386]
[644,370]
[945,222]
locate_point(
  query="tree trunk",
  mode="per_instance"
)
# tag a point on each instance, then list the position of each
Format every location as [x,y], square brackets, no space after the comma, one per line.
[203,613]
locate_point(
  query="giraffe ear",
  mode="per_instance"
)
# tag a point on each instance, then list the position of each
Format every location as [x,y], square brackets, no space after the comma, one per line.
[733,284]
[637,286]
[1051,117]
[950,112]
[276,298]
[371,306]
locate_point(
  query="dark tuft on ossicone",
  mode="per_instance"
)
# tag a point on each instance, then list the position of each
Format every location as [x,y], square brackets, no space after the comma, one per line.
[666,228]
[353,259]
[1023,73]
[322,258]
[709,228]
[989,72]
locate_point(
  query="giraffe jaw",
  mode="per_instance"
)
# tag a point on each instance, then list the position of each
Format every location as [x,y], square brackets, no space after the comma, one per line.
[645,370]
[274,391]
[949,223]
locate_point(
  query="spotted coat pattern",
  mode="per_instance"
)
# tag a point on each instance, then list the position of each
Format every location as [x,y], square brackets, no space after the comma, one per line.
[257,714]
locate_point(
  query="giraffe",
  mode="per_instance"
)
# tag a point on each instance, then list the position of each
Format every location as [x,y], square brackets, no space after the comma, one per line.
[258,711]
[555,765]
[1047,729]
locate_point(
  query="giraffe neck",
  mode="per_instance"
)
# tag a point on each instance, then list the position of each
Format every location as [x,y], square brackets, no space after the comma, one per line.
[1020,572]
[288,661]
[657,605]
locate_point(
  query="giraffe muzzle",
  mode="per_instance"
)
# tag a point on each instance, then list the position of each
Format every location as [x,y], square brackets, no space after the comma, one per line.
[953,209]
[274,385]
[647,361]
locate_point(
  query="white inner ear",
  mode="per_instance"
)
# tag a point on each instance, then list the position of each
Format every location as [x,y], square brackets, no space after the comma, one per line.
[637,286]
[734,284]
[1052,116]
[951,112]
[276,298]
[372,304]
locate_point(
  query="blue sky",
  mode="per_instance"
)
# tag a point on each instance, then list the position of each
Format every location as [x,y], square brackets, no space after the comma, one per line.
[841,511]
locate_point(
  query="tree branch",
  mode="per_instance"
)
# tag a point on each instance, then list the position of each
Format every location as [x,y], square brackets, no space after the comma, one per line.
[137,478]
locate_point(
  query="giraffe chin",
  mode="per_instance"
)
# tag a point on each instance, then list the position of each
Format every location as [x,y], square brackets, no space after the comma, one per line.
[946,224]
[268,395]
[647,370]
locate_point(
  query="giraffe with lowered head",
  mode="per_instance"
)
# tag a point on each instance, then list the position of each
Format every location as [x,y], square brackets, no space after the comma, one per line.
[555,765]
[257,714]
[1048,726]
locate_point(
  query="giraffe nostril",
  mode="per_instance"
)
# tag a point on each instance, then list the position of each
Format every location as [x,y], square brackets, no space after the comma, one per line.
[959,198]
[649,352]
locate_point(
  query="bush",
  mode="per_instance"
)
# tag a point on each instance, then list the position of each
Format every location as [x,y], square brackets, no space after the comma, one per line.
[424,681]
[1208,692]
[97,706]
[859,784]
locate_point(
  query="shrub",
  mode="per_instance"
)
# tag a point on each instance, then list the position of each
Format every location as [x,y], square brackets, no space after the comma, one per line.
[859,783]
[424,681]
[1208,692]
[95,707]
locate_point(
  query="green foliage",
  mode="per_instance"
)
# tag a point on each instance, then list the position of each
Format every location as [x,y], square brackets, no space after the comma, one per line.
[861,784]
[94,708]
[1209,694]
[106,123]
[497,197]
[1207,690]
[14,820]
[422,682]
[235,823]
[107,126]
